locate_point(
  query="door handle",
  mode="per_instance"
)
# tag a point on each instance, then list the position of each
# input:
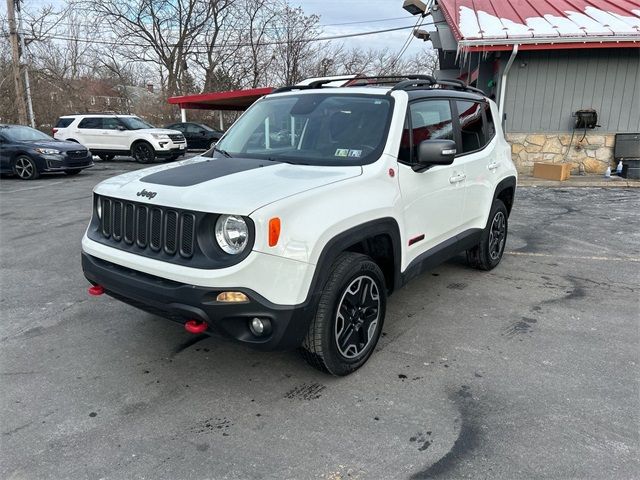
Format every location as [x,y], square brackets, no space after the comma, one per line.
[457,178]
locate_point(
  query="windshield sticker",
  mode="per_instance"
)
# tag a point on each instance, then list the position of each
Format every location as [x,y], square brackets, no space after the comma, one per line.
[355,153]
[342,152]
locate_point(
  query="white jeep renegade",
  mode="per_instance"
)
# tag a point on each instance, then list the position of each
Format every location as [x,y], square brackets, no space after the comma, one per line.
[108,135]
[313,208]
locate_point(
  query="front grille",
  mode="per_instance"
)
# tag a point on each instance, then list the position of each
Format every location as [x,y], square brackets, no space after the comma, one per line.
[77,153]
[154,228]
[176,137]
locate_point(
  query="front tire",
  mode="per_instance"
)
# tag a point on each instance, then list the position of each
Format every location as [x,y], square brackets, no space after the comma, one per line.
[25,168]
[488,253]
[142,152]
[349,317]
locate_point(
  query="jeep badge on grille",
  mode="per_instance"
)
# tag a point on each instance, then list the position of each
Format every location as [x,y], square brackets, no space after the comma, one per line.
[145,193]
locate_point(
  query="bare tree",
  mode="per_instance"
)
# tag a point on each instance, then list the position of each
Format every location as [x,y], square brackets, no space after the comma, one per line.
[294,50]
[161,32]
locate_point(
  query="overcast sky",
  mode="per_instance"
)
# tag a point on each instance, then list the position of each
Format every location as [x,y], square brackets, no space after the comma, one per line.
[344,11]
[377,15]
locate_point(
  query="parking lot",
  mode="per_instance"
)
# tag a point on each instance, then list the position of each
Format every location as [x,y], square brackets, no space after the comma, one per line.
[527,371]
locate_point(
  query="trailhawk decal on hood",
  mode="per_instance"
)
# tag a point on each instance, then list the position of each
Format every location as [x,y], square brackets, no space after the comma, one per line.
[188,175]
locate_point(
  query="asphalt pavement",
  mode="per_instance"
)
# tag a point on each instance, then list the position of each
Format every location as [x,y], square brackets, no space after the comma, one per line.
[525,372]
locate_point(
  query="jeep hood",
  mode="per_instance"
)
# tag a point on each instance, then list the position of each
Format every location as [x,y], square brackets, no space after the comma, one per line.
[222,185]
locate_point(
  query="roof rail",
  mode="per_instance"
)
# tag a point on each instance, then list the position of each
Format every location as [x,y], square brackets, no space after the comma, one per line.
[399,82]
[93,113]
[352,81]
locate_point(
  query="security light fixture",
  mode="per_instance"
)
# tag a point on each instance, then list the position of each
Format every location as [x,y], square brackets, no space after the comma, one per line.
[415,7]
[422,35]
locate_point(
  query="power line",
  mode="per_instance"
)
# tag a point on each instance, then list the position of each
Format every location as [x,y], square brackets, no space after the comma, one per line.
[321,25]
[237,45]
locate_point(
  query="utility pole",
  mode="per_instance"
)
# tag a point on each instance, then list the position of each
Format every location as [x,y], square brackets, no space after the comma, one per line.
[15,54]
[23,51]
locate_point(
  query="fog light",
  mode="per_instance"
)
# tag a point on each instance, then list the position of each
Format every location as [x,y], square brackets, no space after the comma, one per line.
[259,326]
[232,297]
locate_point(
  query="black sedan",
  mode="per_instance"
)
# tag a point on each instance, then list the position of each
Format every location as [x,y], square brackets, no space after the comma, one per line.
[199,136]
[27,152]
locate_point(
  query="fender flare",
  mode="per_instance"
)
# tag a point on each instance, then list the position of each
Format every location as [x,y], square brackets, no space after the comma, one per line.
[338,244]
[509,182]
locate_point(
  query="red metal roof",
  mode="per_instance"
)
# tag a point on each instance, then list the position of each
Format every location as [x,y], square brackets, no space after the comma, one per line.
[543,24]
[231,100]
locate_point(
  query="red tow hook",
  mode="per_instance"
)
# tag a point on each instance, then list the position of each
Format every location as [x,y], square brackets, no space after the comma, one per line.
[194,326]
[95,290]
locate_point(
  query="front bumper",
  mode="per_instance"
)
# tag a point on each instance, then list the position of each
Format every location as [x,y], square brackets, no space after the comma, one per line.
[60,163]
[180,302]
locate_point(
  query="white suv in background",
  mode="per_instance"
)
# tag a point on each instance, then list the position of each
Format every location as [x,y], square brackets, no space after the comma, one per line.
[316,205]
[108,135]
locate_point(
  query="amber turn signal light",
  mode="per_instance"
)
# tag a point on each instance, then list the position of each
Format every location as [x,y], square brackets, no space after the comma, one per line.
[274,231]
[232,297]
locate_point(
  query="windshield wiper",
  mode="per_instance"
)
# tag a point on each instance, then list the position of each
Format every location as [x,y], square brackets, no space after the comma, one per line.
[223,152]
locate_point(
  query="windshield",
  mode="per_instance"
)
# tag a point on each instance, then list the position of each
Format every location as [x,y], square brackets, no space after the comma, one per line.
[313,129]
[25,134]
[135,123]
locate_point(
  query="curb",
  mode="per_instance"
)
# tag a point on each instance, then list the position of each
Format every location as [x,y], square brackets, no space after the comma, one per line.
[576,182]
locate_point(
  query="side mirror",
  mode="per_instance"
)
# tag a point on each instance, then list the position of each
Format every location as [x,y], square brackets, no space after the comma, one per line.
[435,152]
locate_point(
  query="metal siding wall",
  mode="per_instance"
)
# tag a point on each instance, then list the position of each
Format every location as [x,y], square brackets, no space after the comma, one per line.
[543,94]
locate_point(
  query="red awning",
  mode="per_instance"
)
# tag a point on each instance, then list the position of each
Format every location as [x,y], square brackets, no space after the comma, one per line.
[232,100]
[543,24]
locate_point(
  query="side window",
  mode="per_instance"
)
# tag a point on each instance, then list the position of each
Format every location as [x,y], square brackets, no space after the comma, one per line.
[193,128]
[429,120]
[110,123]
[91,122]
[64,122]
[471,126]
[489,126]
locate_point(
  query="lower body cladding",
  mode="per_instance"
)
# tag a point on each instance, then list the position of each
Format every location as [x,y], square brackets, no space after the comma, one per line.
[257,322]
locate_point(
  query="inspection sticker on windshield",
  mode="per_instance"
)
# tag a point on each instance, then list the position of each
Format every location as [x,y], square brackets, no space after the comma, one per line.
[342,152]
[355,153]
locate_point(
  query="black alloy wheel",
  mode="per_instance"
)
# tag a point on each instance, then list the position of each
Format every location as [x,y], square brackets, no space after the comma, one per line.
[489,251]
[349,317]
[142,152]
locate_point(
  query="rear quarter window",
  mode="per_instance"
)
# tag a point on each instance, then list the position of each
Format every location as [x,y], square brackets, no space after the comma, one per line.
[64,122]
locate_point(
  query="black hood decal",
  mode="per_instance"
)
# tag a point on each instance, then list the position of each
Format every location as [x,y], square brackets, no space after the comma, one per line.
[200,172]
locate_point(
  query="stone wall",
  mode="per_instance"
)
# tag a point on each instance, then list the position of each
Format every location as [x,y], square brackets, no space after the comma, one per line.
[591,154]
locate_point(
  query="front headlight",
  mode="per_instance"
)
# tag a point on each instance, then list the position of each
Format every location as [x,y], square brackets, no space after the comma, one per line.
[48,151]
[160,136]
[232,233]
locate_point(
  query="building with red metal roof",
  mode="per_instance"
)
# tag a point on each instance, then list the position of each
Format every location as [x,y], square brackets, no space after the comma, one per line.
[543,61]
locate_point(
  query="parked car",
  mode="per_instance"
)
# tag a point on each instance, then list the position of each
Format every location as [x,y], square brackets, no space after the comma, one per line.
[198,135]
[315,206]
[27,152]
[108,135]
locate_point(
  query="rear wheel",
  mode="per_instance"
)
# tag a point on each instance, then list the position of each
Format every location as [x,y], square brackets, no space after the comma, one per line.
[142,152]
[488,253]
[25,168]
[349,318]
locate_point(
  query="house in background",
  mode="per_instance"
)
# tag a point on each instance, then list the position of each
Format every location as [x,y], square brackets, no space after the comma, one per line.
[543,61]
